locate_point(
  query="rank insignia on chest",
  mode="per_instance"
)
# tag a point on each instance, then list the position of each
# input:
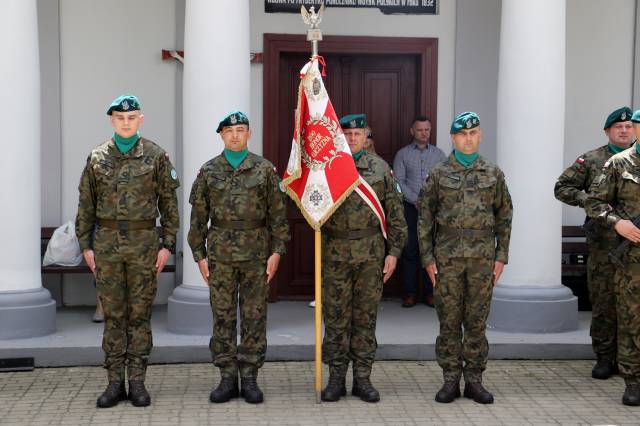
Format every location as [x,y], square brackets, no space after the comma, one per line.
[580,160]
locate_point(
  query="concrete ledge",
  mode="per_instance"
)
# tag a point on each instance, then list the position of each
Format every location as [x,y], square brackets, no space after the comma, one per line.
[403,334]
[189,311]
[27,313]
[533,309]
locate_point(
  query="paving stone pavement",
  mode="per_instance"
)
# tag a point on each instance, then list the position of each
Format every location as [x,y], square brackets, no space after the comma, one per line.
[526,392]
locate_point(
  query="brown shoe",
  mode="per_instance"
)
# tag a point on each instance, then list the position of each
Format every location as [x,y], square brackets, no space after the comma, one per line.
[429,300]
[409,301]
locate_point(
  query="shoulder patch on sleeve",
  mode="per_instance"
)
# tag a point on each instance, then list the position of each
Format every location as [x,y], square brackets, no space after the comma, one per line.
[580,160]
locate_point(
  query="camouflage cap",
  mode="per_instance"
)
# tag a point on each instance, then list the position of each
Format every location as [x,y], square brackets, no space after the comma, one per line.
[124,103]
[621,114]
[353,121]
[233,119]
[466,120]
[636,117]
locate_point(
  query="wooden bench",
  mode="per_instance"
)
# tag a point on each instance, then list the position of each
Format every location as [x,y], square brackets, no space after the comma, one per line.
[574,251]
[574,264]
[45,236]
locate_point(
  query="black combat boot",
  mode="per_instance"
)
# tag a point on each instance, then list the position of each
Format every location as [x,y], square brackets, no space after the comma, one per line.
[363,388]
[250,390]
[227,389]
[448,392]
[114,393]
[631,395]
[138,394]
[603,369]
[336,386]
[478,393]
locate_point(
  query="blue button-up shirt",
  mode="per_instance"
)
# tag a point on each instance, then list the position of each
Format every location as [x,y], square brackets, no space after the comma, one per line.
[412,166]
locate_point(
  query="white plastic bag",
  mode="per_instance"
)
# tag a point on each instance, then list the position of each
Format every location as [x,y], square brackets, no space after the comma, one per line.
[63,248]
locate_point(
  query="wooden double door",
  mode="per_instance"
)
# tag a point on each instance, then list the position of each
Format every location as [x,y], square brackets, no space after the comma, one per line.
[386,86]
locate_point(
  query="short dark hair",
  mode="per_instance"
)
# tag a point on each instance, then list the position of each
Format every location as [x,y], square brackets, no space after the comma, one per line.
[420,118]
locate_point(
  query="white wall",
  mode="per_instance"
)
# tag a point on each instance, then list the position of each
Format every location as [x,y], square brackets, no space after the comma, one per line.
[477,51]
[362,22]
[600,56]
[108,48]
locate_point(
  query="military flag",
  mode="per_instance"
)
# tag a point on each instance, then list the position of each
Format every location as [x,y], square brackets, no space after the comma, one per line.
[321,172]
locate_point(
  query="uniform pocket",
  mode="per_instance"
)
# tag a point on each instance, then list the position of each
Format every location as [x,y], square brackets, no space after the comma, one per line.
[630,186]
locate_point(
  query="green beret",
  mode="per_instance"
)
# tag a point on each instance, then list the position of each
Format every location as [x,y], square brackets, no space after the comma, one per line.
[353,121]
[621,114]
[124,103]
[233,119]
[466,120]
[636,117]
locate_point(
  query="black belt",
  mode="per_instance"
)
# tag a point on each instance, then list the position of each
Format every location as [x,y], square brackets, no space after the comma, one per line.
[459,232]
[355,234]
[239,224]
[127,225]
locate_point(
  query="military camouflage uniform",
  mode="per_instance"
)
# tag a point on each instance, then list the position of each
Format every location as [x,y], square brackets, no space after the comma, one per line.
[572,188]
[619,186]
[352,268]
[464,226]
[248,223]
[129,188]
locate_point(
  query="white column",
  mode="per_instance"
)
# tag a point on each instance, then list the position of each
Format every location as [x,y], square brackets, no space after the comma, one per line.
[216,82]
[26,309]
[531,104]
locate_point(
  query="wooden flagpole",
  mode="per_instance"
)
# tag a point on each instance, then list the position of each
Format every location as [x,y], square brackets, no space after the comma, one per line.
[318,284]
[314,35]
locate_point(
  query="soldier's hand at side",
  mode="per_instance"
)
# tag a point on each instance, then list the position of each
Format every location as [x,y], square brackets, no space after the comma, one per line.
[272,266]
[390,263]
[432,271]
[627,229]
[498,267]
[90,258]
[203,265]
[163,256]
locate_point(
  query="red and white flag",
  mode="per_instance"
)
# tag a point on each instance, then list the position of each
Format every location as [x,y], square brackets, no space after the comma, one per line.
[321,172]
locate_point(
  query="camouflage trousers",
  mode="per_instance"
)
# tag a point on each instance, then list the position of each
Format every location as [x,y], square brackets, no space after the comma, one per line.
[351,295]
[628,303]
[227,281]
[600,273]
[462,296]
[126,283]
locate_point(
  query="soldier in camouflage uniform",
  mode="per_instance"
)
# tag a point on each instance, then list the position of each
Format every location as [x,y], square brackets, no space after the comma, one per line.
[572,188]
[238,192]
[464,227]
[125,182]
[355,268]
[614,201]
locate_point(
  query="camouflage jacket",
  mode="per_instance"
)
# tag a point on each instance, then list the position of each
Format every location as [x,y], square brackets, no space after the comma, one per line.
[476,198]
[354,214]
[131,186]
[573,185]
[249,193]
[615,194]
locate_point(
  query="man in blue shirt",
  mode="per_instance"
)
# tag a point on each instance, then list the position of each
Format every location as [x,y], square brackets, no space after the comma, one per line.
[411,167]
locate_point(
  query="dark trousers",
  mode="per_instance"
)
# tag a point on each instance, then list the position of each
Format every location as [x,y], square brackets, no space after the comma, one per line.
[411,256]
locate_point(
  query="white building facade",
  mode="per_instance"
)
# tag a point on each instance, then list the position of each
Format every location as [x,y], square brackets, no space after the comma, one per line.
[542,75]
